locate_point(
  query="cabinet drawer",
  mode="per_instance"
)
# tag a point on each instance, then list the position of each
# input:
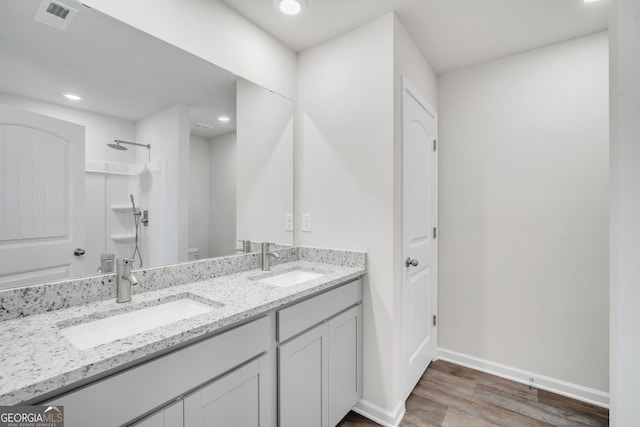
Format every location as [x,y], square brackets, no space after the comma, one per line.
[125,396]
[300,317]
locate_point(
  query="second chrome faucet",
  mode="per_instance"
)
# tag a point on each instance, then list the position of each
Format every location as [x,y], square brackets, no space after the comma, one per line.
[266,256]
[124,279]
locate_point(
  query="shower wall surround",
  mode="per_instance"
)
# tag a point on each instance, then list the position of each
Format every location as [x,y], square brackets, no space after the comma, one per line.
[42,298]
[111,228]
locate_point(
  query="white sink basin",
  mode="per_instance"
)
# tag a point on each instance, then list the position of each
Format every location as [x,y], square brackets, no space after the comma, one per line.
[97,332]
[291,278]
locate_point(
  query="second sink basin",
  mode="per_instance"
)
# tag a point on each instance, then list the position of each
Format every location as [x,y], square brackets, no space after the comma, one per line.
[115,327]
[288,277]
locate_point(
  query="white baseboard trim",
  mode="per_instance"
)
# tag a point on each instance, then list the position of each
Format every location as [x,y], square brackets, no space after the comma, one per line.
[380,415]
[574,391]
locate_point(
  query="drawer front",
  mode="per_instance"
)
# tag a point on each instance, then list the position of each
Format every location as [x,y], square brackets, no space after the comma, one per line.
[300,317]
[127,395]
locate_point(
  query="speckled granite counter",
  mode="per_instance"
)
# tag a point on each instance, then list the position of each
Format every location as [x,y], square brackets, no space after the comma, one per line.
[36,359]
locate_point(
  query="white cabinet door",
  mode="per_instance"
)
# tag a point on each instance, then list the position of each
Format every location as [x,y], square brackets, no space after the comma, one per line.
[171,416]
[303,368]
[231,401]
[345,363]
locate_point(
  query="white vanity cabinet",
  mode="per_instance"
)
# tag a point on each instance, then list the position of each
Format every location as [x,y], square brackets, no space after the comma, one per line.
[320,358]
[232,400]
[233,379]
[126,396]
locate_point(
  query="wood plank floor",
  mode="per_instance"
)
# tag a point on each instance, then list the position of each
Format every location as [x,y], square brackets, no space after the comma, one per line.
[453,396]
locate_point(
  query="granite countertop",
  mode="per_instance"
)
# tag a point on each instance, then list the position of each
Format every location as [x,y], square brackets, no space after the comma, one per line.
[37,359]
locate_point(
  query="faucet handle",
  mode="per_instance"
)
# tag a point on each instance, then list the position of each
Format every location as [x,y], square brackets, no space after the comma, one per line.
[125,262]
[246,246]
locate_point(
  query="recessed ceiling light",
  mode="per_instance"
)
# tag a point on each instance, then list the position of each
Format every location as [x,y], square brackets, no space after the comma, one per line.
[224,118]
[290,7]
[590,1]
[72,97]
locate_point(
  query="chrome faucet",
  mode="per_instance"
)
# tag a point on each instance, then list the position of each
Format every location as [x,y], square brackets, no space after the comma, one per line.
[266,256]
[125,279]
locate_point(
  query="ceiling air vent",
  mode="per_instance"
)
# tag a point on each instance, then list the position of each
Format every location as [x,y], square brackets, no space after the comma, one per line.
[55,14]
[58,10]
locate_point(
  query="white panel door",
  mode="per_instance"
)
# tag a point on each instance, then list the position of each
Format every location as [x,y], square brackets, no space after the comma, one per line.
[419,262]
[41,197]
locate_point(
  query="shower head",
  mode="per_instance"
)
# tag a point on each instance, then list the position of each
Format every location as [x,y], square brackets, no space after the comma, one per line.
[117,146]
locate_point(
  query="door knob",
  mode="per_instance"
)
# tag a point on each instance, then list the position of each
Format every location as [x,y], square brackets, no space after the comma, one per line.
[411,262]
[78,252]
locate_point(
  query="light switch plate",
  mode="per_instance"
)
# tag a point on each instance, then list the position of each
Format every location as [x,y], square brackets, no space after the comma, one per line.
[306,222]
[288,222]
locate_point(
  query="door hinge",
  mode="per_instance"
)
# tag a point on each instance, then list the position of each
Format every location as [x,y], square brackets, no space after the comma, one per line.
[435,233]
[435,320]
[435,145]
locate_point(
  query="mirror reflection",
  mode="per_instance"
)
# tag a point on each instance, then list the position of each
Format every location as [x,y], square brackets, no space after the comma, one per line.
[116,144]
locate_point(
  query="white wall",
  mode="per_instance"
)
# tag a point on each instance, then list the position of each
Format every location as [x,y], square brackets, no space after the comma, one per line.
[100,129]
[523,211]
[222,239]
[347,175]
[167,131]
[625,213]
[265,164]
[199,193]
[213,31]
[408,62]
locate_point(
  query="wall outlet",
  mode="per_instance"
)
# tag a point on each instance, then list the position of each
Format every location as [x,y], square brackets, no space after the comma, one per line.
[288,222]
[306,222]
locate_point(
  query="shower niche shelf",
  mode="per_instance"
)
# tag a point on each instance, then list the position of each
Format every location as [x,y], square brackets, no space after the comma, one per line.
[122,208]
[123,238]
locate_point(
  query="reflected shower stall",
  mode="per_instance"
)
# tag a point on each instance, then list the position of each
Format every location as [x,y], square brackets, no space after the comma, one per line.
[119,197]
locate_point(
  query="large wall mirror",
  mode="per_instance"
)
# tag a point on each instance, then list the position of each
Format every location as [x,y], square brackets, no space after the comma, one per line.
[165,158]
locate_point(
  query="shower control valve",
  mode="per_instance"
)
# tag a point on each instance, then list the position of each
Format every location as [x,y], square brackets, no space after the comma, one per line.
[145,218]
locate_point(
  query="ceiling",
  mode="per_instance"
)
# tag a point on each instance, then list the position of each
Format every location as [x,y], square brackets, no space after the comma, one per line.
[128,74]
[115,79]
[451,34]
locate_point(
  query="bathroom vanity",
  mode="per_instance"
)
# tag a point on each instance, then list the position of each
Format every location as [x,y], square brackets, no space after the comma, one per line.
[275,348]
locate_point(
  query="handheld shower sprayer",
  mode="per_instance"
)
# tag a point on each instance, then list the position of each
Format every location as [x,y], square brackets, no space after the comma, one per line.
[136,220]
[133,203]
